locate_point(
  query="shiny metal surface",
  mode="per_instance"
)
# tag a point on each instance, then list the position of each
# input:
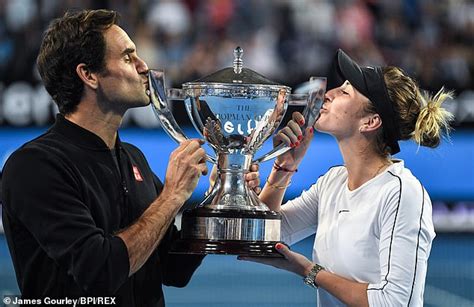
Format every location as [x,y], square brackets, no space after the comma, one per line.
[235,110]
[316,88]
[159,99]
[161,107]
[226,228]
[236,125]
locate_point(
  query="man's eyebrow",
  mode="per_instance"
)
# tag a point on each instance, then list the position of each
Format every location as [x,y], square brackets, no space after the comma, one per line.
[128,51]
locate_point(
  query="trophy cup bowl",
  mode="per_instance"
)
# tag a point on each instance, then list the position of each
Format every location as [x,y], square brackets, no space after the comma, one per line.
[235,110]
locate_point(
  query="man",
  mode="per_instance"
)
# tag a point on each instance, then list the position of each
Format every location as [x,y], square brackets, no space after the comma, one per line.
[84,215]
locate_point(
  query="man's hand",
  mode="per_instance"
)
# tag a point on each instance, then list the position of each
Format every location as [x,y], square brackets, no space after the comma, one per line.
[187,163]
[292,262]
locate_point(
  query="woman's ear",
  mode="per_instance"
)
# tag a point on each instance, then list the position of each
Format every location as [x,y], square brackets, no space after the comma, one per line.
[370,123]
[89,78]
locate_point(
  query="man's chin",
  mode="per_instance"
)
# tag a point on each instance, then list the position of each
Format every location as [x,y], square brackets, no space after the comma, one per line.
[141,103]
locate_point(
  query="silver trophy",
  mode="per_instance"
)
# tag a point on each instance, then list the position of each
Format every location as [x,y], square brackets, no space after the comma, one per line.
[235,110]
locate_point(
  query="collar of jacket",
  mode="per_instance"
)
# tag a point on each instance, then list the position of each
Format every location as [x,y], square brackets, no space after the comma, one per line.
[80,136]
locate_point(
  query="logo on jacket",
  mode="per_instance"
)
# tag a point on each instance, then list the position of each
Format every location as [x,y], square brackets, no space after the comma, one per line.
[136,173]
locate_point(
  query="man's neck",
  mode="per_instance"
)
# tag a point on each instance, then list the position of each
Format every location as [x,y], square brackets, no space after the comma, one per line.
[103,125]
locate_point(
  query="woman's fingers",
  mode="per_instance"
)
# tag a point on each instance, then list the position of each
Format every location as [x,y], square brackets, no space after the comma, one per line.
[292,134]
[308,136]
[254,167]
[296,133]
[283,249]
[298,117]
[287,136]
[253,178]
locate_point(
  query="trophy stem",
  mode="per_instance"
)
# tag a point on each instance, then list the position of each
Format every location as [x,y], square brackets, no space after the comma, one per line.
[231,190]
[232,220]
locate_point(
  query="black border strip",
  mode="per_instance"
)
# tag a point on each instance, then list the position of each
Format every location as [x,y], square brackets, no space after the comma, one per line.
[418,241]
[393,231]
[391,239]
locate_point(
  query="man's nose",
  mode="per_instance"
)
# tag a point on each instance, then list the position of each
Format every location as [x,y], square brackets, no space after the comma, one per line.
[142,67]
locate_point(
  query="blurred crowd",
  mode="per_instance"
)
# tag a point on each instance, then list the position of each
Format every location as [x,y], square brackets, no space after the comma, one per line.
[285,40]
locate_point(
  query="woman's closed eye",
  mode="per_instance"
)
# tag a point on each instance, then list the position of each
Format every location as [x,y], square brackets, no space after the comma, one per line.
[343,91]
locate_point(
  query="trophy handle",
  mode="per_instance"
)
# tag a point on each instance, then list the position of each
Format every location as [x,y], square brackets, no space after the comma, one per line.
[311,95]
[159,99]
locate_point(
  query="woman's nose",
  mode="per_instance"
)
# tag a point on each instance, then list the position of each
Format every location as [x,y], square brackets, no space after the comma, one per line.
[328,98]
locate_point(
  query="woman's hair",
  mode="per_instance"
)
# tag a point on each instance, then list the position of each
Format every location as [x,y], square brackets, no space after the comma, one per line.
[75,38]
[420,115]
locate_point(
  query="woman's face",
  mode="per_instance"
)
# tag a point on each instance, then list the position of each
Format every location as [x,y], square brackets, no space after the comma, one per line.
[342,112]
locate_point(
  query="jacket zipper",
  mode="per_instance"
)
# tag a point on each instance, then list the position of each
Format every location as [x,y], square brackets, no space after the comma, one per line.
[126,210]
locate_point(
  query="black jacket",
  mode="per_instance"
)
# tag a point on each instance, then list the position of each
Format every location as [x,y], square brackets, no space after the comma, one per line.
[64,198]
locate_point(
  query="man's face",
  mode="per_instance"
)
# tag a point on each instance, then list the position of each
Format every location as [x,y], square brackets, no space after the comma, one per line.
[123,84]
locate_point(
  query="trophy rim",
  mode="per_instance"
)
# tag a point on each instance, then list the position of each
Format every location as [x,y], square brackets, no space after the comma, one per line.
[233,86]
[264,249]
[204,211]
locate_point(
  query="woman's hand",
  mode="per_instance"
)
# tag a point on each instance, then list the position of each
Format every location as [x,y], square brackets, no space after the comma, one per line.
[292,262]
[252,178]
[292,135]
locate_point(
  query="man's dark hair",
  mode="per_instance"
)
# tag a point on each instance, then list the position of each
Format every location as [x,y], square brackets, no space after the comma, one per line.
[75,38]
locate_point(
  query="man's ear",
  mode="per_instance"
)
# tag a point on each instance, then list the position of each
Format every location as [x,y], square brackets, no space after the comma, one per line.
[89,78]
[370,123]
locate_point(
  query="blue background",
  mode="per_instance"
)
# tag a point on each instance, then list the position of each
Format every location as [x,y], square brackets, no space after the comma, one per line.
[447,173]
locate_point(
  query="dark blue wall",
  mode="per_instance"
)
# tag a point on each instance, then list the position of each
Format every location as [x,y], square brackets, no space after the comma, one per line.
[447,172]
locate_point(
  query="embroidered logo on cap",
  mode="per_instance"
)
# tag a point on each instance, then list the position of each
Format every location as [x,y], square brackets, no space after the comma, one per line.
[136,173]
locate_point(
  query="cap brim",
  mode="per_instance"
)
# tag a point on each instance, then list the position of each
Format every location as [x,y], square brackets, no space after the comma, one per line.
[344,68]
[369,82]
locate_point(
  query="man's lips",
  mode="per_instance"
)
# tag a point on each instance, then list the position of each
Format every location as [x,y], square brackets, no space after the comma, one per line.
[147,88]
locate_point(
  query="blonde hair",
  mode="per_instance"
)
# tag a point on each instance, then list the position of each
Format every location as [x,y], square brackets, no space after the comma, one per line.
[420,115]
[433,119]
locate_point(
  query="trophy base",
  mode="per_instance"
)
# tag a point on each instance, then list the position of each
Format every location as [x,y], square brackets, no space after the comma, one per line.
[242,248]
[229,232]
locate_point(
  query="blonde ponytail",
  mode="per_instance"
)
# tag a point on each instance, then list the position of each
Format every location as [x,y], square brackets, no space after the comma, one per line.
[420,116]
[433,119]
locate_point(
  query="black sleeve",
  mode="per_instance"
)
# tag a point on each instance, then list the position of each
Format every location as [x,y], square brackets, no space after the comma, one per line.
[177,269]
[43,193]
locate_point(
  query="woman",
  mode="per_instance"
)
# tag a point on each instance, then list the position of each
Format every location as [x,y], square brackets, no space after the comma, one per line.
[371,216]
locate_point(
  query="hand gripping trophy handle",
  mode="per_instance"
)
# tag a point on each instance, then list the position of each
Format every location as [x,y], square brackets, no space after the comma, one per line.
[159,98]
[310,94]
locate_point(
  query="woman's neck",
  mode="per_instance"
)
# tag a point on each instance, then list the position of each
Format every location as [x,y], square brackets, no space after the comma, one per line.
[362,164]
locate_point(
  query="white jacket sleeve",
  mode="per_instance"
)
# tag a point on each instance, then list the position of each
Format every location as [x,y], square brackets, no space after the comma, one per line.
[406,233]
[300,216]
